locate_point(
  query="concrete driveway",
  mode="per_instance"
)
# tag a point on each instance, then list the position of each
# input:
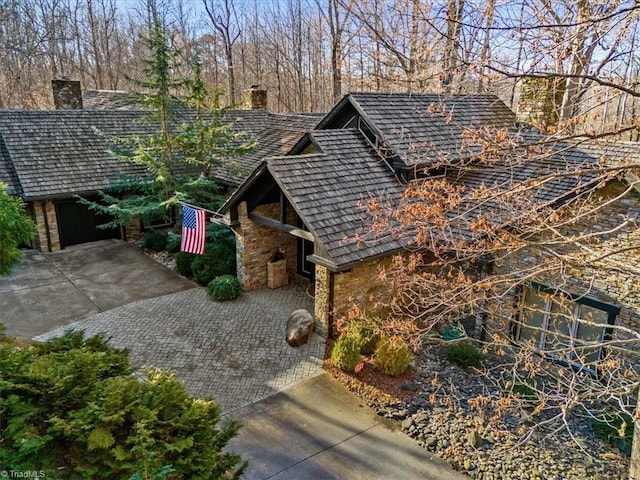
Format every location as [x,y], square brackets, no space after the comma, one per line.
[50,290]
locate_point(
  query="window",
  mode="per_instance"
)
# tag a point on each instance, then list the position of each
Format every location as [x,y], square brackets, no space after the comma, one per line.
[566,327]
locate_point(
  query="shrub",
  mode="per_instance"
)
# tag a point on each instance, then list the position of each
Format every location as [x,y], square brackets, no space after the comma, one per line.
[173,242]
[392,356]
[217,260]
[74,407]
[615,429]
[345,354]
[464,354]
[154,240]
[366,335]
[183,263]
[225,287]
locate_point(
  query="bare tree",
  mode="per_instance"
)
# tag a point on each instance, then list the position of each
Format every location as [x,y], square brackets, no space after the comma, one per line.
[224,19]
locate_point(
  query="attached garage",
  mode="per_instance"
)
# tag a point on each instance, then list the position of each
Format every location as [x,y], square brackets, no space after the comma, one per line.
[78,224]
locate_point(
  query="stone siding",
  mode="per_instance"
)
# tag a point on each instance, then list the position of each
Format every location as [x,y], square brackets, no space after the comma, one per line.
[48,238]
[256,244]
[361,286]
[322,302]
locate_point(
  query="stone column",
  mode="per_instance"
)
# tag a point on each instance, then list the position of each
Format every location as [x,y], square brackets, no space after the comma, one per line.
[322,305]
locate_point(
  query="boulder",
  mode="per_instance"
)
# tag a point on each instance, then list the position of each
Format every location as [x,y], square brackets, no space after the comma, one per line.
[299,327]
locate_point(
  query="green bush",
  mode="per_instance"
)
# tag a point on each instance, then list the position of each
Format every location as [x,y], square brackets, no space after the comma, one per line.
[525,392]
[464,354]
[345,353]
[72,408]
[173,242]
[184,261]
[218,260]
[154,240]
[225,287]
[609,428]
[392,356]
[364,331]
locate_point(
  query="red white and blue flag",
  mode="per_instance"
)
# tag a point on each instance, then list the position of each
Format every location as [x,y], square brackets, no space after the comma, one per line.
[193,230]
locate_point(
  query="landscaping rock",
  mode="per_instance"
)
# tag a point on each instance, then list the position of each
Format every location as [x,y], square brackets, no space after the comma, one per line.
[299,326]
[474,439]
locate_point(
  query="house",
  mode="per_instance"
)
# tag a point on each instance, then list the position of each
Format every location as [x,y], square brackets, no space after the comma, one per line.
[49,157]
[312,201]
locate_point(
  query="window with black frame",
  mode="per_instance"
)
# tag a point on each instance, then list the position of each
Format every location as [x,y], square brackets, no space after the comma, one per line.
[567,327]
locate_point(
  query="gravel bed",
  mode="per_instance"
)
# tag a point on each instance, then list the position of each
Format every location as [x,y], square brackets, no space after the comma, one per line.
[432,406]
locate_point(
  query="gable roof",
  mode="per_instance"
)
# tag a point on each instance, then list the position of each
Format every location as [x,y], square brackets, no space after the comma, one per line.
[329,190]
[422,128]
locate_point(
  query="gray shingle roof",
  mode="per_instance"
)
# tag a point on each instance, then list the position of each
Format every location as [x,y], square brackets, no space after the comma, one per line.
[424,128]
[279,133]
[108,100]
[58,153]
[556,171]
[7,172]
[46,154]
[330,190]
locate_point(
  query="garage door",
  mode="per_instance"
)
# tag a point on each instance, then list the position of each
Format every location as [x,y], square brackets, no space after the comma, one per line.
[78,224]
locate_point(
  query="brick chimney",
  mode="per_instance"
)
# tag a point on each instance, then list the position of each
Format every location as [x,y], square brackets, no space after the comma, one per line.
[67,94]
[257,98]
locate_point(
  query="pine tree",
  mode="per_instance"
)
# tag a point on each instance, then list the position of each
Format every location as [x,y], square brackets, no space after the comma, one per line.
[191,138]
[15,228]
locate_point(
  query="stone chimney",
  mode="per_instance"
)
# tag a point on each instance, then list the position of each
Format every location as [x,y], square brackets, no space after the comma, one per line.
[257,98]
[540,101]
[67,94]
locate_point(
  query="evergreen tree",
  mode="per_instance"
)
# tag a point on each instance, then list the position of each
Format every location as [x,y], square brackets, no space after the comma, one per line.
[15,228]
[190,139]
[72,408]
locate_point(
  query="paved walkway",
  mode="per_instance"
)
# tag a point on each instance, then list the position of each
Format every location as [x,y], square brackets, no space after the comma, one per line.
[234,352]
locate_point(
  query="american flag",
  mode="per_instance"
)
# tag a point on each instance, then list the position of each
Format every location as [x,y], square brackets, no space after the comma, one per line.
[193,230]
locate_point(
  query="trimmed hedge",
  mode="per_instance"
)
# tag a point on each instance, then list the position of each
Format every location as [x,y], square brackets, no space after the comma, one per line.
[154,240]
[173,242]
[218,260]
[346,353]
[183,263]
[392,356]
[223,288]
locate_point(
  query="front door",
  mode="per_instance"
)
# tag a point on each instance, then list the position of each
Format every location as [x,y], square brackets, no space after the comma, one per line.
[305,267]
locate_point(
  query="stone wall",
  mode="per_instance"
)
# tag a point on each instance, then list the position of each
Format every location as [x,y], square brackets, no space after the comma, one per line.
[611,280]
[256,244]
[48,238]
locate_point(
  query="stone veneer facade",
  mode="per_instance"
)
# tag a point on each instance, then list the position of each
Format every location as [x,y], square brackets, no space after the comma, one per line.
[256,244]
[48,239]
[337,293]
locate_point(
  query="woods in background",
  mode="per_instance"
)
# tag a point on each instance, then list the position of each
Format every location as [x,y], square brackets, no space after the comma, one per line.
[308,53]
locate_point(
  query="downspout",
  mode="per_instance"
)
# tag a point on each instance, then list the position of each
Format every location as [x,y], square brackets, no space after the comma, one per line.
[481,320]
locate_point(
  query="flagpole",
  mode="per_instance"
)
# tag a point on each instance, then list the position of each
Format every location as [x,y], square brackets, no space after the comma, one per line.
[218,218]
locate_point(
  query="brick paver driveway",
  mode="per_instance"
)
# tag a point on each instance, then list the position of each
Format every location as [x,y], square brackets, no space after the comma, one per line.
[234,352]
